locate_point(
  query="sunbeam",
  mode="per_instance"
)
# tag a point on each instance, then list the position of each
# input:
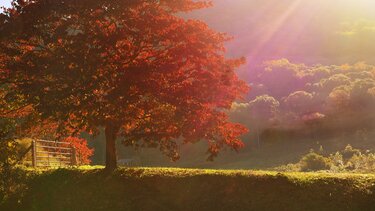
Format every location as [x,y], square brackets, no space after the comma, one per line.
[274,27]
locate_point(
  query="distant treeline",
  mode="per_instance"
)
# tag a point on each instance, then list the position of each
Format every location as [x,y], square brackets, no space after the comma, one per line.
[288,97]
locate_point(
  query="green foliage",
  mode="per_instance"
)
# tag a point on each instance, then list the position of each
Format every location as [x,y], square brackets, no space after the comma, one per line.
[349,152]
[347,160]
[361,163]
[8,172]
[314,162]
[8,146]
[12,184]
[8,153]
[11,177]
[337,162]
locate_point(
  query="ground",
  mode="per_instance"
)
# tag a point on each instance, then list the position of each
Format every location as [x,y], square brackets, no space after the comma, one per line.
[192,189]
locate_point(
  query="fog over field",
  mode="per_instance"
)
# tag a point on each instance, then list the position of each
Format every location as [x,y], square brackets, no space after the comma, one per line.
[310,68]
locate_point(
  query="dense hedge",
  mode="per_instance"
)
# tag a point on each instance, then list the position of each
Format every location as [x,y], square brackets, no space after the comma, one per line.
[184,189]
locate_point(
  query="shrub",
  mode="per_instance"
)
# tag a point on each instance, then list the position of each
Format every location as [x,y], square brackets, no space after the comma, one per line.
[349,152]
[314,162]
[361,163]
[83,151]
[337,162]
[347,160]
[11,176]
[291,167]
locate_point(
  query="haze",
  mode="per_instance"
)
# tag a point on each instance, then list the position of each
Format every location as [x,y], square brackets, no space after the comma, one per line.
[304,59]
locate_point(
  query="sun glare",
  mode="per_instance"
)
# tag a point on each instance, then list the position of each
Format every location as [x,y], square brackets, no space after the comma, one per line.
[147,105]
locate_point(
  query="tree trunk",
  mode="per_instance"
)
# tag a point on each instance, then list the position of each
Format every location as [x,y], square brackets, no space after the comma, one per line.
[110,138]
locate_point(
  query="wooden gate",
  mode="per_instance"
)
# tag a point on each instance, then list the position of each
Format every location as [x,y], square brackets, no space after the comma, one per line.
[52,154]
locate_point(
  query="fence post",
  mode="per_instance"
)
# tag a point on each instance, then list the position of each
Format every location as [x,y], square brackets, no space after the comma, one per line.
[34,153]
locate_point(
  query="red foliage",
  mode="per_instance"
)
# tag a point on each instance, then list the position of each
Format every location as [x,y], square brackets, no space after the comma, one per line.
[134,66]
[83,152]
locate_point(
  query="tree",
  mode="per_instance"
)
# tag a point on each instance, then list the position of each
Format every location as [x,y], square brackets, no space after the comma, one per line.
[134,68]
[260,113]
[300,102]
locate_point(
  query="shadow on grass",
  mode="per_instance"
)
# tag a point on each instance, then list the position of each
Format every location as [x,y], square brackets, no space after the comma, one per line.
[142,189]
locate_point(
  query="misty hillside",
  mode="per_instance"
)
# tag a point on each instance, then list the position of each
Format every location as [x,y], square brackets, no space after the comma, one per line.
[291,109]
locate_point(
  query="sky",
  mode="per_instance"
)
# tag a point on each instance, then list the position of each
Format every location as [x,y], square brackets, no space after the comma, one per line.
[5,3]
[319,31]
[302,31]
[315,32]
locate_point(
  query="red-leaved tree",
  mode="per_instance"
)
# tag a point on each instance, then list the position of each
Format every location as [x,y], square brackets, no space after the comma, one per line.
[134,68]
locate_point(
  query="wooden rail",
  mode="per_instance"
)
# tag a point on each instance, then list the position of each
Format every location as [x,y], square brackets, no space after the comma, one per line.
[52,154]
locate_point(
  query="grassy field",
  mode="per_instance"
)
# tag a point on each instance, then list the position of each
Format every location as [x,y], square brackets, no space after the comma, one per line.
[192,189]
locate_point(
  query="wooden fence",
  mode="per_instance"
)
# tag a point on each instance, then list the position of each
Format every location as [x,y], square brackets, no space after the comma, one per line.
[52,154]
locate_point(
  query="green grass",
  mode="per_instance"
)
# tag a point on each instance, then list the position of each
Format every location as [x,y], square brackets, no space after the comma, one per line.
[89,188]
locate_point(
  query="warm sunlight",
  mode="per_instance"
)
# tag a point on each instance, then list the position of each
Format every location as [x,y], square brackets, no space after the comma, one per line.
[187,105]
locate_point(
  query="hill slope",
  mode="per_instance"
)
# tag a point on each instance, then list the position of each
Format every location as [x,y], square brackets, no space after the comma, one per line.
[190,189]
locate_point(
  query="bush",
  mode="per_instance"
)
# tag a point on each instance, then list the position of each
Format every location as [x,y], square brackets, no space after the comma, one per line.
[361,163]
[347,160]
[83,151]
[337,162]
[349,152]
[290,167]
[314,162]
